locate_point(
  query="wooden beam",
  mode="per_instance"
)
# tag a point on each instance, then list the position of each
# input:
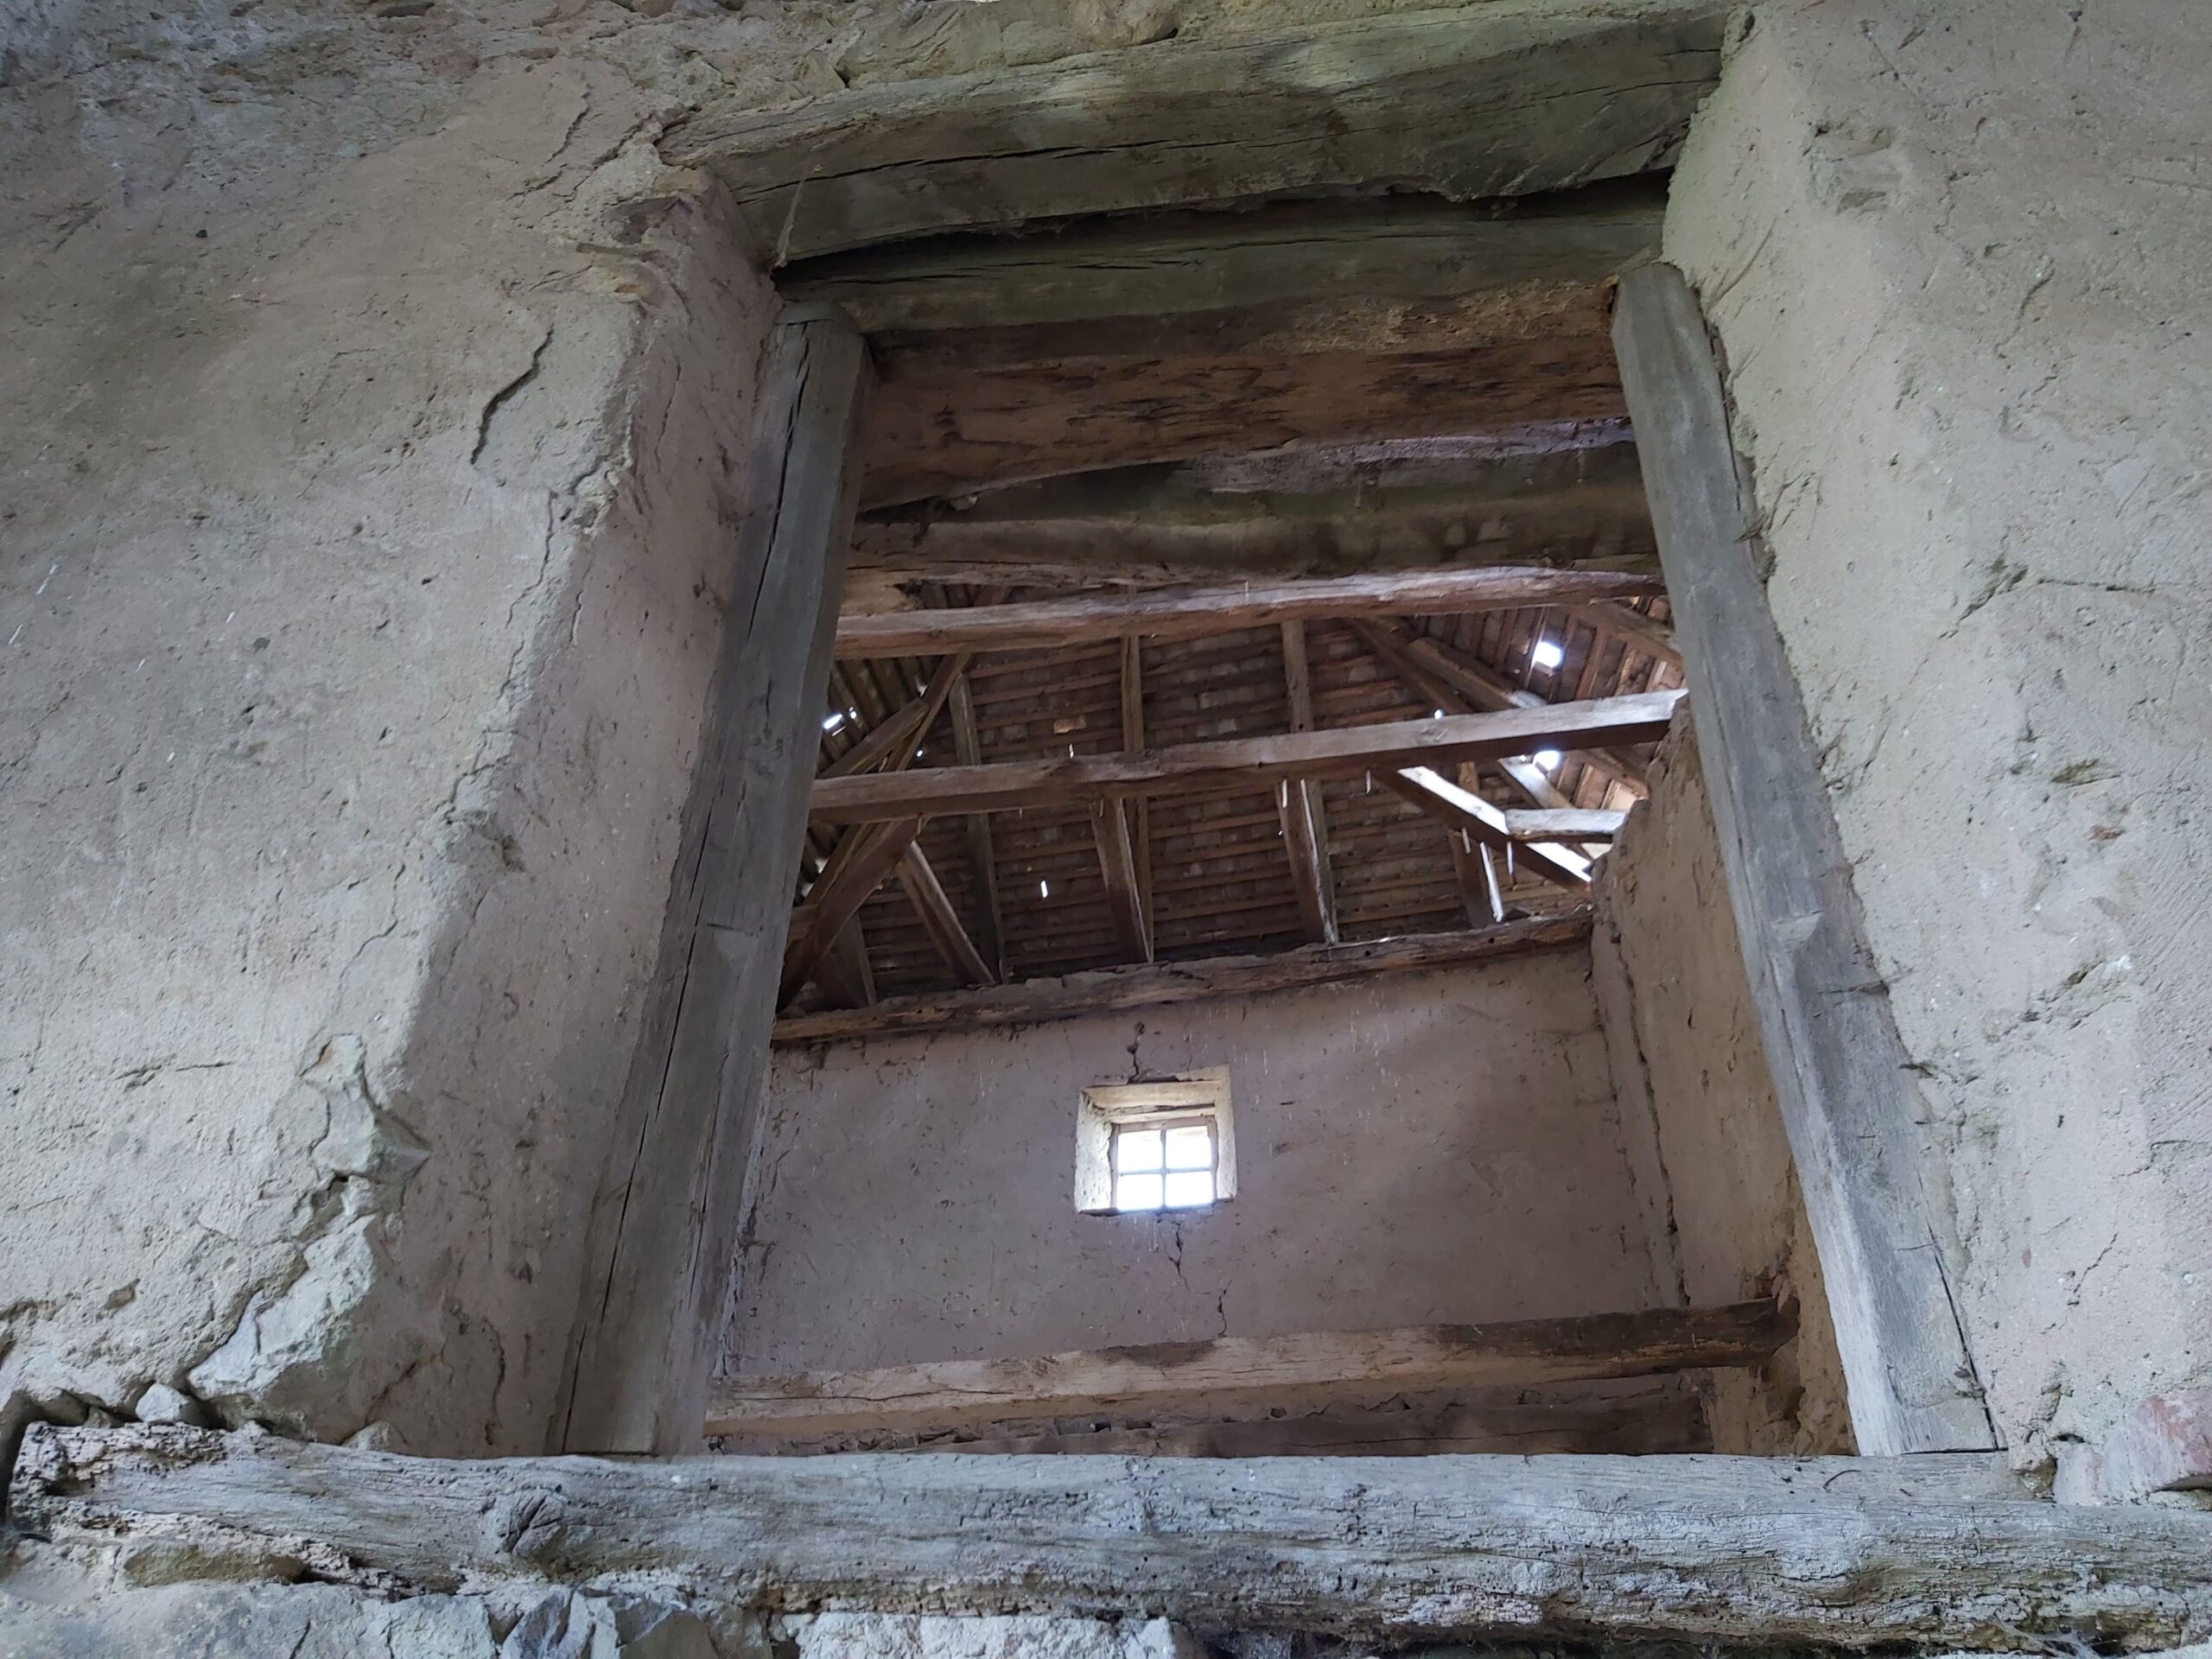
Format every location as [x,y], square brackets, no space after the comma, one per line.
[1299,805]
[844,972]
[1565,824]
[1139,813]
[939,919]
[1193,613]
[1232,1374]
[948,426]
[877,850]
[896,739]
[1638,630]
[1463,808]
[1477,877]
[1238,274]
[662,1232]
[1845,1084]
[978,826]
[1922,1553]
[1241,764]
[1109,825]
[1115,990]
[1462,104]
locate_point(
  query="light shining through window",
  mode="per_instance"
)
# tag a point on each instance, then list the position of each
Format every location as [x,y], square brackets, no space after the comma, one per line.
[1163,1167]
[1547,654]
[1548,759]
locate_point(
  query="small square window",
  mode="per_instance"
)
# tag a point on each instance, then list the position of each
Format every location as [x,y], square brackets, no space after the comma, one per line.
[1147,1146]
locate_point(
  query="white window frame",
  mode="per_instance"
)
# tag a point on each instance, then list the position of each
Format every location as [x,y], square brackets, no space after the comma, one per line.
[1179,1099]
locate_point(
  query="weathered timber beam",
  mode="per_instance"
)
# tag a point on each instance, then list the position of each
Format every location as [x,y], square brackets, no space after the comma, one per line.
[1638,630]
[663,1226]
[1477,877]
[877,850]
[968,751]
[1565,824]
[1193,613]
[1244,763]
[939,919]
[950,426]
[1245,1373]
[1499,100]
[1299,805]
[1463,808]
[1118,865]
[1112,990]
[894,741]
[1846,1084]
[1931,1554]
[1238,271]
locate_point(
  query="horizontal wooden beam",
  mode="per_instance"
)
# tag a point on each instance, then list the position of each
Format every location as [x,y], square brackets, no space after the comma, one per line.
[1243,1373]
[1119,989]
[1244,763]
[1564,824]
[1235,273]
[1497,100]
[946,425]
[1193,613]
[1931,1554]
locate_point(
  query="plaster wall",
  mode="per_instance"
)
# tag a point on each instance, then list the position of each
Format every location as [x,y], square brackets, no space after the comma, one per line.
[1955,255]
[1704,1130]
[1409,1149]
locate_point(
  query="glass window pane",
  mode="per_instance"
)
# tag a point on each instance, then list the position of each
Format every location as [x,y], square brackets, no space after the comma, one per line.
[1136,1149]
[1190,1146]
[1188,1187]
[1138,1191]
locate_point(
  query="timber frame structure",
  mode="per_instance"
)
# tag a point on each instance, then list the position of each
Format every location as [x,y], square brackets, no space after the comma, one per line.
[966,416]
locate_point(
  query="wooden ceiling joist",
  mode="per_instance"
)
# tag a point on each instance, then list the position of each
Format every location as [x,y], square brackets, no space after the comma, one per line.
[946,426]
[1241,764]
[1497,100]
[1036,1002]
[1193,613]
[1236,1374]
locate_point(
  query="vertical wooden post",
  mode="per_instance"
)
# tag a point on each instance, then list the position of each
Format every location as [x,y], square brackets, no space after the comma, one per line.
[664,1224]
[1848,1101]
[1299,806]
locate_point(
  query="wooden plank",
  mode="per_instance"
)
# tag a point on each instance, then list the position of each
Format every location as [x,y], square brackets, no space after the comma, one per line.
[1845,1082]
[1109,823]
[1036,1002]
[1225,272]
[1241,764]
[977,828]
[1923,1553]
[1504,99]
[939,919]
[950,426]
[1298,804]
[877,850]
[1479,893]
[1653,640]
[1308,1371]
[1565,824]
[662,1224]
[1463,808]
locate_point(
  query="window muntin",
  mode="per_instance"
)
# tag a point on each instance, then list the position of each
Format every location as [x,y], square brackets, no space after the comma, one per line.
[1164,1163]
[1167,1144]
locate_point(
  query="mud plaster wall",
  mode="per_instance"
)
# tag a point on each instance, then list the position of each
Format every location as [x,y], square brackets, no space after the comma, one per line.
[1703,1131]
[1954,255]
[1437,1147]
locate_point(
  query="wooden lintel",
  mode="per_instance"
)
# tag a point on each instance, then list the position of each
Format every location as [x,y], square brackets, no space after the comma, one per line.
[1848,1091]
[1926,1554]
[939,919]
[1242,763]
[1233,1374]
[1193,613]
[1462,105]
[1463,808]
[1110,824]
[1111,990]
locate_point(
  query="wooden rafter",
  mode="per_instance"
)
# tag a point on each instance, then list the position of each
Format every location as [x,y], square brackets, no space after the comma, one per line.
[1298,804]
[847,978]
[1464,810]
[1193,613]
[939,919]
[1247,1373]
[977,827]
[1139,813]
[1109,825]
[897,736]
[844,887]
[1242,763]
[1653,640]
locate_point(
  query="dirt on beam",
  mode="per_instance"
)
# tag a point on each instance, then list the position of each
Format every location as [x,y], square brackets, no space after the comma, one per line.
[1930,1552]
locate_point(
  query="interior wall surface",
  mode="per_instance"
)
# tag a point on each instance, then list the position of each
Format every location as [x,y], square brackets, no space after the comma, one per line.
[1430,1148]
[364,559]
[1954,257]
[1703,1128]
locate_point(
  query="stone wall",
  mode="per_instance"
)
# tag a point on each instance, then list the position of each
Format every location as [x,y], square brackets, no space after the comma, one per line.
[1954,255]
[1439,1147]
[1704,1130]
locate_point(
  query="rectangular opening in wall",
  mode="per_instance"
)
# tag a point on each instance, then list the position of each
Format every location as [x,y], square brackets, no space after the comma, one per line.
[1167,1144]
